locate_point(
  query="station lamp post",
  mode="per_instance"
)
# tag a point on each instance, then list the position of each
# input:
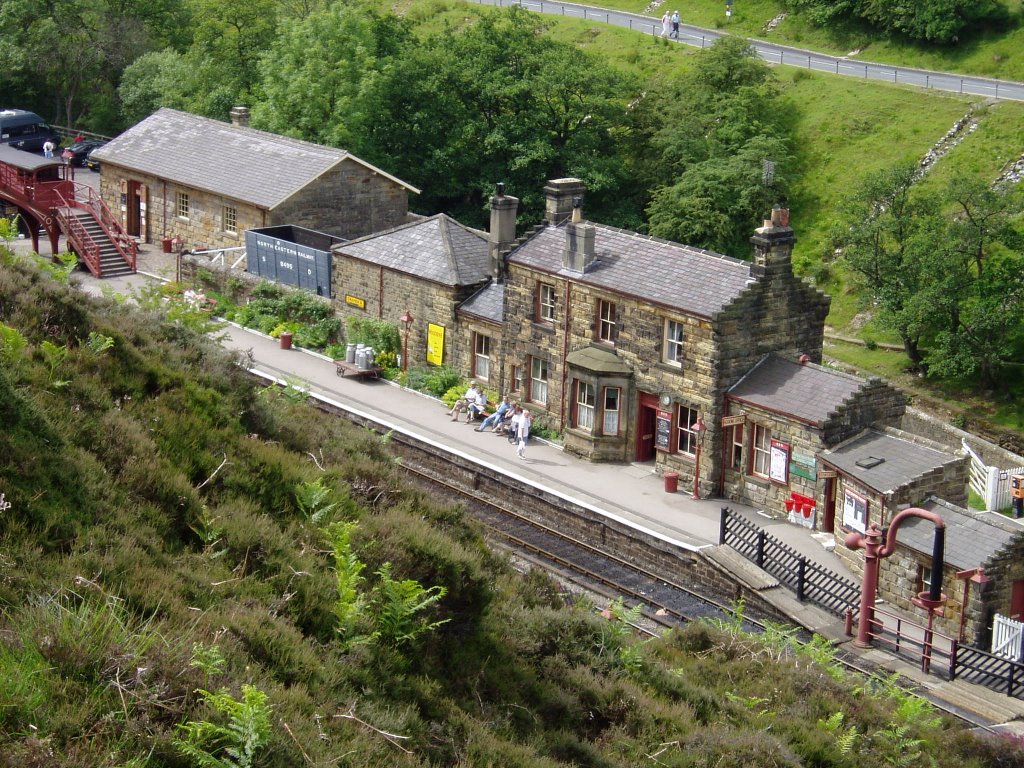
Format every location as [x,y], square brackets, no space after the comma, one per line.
[698,428]
[406,319]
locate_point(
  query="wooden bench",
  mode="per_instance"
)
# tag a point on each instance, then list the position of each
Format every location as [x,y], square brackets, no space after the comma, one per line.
[344,369]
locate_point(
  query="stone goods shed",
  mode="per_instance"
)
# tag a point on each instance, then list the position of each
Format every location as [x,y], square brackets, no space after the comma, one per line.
[426,268]
[178,175]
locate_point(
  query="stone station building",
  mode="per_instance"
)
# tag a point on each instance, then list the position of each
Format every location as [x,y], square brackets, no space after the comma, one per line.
[203,183]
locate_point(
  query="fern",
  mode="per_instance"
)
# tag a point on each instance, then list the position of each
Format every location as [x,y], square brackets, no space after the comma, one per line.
[312,500]
[846,738]
[234,745]
[350,606]
[399,604]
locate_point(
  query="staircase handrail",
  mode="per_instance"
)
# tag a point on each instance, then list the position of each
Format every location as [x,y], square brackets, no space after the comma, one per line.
[88,248]
[120,239]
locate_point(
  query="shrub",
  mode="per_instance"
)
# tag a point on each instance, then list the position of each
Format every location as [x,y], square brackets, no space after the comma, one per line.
[379,334]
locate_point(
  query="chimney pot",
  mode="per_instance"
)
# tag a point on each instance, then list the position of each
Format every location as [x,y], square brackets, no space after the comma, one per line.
[240,116]
[500,188]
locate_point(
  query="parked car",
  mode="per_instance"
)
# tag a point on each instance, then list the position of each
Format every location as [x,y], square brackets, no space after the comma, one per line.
[25,130]
[90,162]
[77,152]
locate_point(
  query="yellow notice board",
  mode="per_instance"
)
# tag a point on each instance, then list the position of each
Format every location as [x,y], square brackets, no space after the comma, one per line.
[435,344]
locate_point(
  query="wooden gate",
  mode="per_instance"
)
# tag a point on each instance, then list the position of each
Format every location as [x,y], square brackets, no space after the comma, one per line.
[1007,637]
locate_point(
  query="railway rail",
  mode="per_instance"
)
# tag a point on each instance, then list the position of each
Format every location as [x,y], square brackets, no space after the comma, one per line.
[593,568]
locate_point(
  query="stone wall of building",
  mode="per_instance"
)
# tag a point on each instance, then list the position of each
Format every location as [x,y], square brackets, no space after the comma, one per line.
[204,227]
[875,404]
[803,440]
[387,294]
[899,583]
[349,201]
[463,353]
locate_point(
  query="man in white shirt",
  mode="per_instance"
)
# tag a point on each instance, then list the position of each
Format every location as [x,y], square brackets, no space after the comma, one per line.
[463,402]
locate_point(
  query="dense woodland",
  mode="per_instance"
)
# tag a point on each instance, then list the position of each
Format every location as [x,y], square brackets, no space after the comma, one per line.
[453,99]
[196,570]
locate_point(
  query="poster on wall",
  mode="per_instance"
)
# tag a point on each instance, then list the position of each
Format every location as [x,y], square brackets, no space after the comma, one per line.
[855,511]
[663,431]
[778,467]
[435,344]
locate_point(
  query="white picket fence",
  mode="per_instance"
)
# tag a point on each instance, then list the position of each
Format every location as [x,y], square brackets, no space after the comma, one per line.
[1008,638]
[991,483]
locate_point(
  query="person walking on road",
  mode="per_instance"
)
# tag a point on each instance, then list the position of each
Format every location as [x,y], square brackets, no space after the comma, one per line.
[666,24]
[675,24]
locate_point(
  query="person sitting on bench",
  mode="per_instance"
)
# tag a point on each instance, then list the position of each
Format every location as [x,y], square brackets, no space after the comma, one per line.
[463,402]
[495,418]
[477,409]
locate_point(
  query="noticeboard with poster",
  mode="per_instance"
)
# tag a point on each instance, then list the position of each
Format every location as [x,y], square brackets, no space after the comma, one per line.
[435,344]
[855,511]
[663,431]
[778,466]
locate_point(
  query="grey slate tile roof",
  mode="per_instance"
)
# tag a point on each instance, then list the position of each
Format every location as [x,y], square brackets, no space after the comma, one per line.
[971,539]
[903,460]
[488,303]
[28,161]
[805,391]
[672,275]
[437,248]
[255,167]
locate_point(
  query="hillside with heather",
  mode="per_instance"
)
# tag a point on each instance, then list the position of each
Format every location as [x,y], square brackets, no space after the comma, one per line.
[197,570]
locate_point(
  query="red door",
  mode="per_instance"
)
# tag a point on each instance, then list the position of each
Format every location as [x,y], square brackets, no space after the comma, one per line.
[1017,600]
[646,421]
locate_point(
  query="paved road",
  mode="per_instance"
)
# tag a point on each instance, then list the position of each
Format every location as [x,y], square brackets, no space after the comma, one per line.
[780,54]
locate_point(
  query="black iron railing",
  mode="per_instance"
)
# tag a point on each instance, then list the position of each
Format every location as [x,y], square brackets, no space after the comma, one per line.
[811,581]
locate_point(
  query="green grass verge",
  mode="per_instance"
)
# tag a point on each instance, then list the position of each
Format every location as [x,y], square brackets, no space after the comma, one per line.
[997,53]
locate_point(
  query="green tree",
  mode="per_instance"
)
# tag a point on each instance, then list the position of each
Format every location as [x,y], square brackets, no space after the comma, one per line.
[156,79]
[494,101]
[709,135]
[317,67]
[886,239]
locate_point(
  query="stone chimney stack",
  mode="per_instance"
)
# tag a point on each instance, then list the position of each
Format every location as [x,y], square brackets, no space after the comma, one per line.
[773,243]
[580,237]
[502,233]
[240,117]
[558,195]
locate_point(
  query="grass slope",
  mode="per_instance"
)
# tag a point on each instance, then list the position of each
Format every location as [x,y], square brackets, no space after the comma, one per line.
[175,591]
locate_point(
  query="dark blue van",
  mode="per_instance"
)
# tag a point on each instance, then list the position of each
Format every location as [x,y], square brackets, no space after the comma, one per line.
[25,130]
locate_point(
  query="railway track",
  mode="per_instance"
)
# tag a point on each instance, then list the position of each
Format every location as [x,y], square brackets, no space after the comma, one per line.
[664,603]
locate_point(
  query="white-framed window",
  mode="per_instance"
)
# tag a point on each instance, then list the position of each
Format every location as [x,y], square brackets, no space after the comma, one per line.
[481,356]
[924,578]
[183,205]
[586,402]
[673,350]
[545,303]
[539,372]
[230,219]
[736,444]
[517,378]
[688,432]
[610,418]
[761,443]
[606,327]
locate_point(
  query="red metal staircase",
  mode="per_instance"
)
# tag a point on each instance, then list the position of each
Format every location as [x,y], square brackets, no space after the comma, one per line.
[95,235]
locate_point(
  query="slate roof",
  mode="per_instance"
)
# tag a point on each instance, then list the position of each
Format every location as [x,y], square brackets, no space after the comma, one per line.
[805,391]
[598,360]
[437,248]
[672,275]
[971,539]
[903,460]
[488,303]
[28,161]
[241,163]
